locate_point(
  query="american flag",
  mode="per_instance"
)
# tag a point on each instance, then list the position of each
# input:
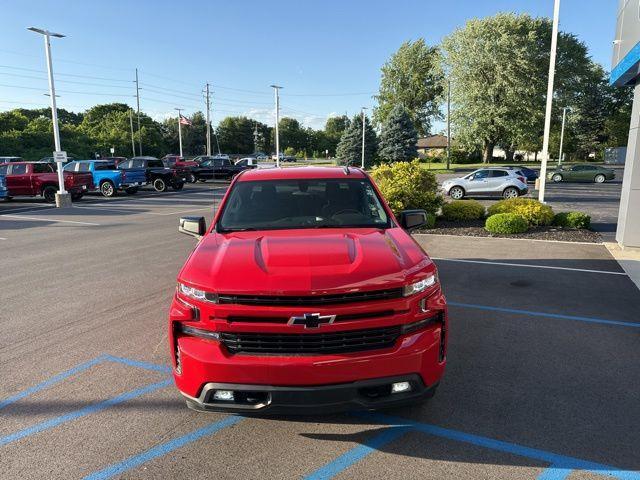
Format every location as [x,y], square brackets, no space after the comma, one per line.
[184,120]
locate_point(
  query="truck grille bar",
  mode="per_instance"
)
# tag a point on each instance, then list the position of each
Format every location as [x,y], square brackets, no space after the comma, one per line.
[310,299]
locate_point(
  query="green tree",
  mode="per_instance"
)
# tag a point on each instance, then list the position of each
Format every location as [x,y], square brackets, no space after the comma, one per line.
[235,134]
[399,137]
[291,134]
[349,150]
[498,67]
[412,78]
[618,117]
[333,130]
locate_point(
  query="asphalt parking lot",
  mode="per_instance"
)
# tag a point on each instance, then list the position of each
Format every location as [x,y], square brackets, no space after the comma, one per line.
[541,380]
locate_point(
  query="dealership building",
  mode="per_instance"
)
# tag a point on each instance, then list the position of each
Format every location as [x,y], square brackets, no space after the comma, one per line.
[626,72]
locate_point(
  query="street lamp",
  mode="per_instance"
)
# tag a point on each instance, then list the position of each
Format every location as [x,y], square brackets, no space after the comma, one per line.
[276,90]
[547,118]
[62,197]
[179,128]
[363,132]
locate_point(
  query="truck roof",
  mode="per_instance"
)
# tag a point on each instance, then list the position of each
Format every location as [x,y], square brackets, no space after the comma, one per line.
[298,173]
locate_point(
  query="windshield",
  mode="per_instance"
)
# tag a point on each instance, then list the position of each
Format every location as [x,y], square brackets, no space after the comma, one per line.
[287,204]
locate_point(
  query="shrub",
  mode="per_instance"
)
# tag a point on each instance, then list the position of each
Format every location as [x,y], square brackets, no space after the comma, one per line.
[461,157]
[431,221]
[572,220]
[406,185]
[533,211]
[463,210]
[506,223]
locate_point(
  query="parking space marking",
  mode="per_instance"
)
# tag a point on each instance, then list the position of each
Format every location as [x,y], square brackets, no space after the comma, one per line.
[138,363]
[506,264]
[51,381]
[356,454]
[555,473]
[163,449]
[39,219]
[95,408]
[559,316]
[559,463]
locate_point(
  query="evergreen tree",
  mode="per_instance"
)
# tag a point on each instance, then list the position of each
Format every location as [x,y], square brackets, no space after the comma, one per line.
[399,137]
[349,151]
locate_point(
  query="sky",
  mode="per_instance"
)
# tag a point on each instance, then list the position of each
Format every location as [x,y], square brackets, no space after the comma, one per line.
[326,54]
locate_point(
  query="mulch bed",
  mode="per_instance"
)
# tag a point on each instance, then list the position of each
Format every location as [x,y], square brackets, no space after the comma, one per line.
[475,228]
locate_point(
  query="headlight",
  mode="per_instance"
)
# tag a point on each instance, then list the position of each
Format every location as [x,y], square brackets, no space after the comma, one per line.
[197,294]
[420,286]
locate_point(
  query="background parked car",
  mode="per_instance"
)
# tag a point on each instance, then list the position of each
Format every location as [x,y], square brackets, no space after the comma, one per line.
[70,158]
[183,168]
[106,176]
[4,191]
[40,178]
[248,162]
[487,181]
[217,168]
[581,173]
[159,176]
[10,159]
[529,174]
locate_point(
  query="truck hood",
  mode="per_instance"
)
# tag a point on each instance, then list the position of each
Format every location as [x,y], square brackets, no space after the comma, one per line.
[305,262]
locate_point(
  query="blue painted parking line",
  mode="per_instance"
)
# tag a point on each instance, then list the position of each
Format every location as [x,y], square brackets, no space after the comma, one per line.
[557,316]
[139,364]
[356,454]
[558,462]
[162,449]
[52,381]
[555,473]
[95,408]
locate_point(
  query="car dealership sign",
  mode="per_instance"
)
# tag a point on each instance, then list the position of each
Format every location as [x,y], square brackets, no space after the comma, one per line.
[625,68]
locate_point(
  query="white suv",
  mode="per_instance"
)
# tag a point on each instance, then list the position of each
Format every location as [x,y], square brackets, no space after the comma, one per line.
[487,181]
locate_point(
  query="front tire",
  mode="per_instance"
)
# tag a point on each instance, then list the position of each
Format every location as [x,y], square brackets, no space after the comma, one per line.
[557,178]
[599,178]
[457,193]
[191,178]
[510,192]
[107,189]
[159,185]
[49,194]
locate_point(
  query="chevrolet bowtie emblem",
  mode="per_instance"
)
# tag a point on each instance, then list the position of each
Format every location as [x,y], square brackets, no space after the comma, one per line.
[312,320]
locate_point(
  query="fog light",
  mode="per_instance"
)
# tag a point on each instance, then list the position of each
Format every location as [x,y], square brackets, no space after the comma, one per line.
[223,395]
[400,387]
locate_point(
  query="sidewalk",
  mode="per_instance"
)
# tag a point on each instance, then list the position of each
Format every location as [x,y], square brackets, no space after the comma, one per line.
[629,260]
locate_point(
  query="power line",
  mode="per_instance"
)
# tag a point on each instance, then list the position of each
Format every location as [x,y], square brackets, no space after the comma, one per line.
[66,91]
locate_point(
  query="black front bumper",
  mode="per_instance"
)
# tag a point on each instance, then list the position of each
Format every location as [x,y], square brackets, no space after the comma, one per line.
[274,400]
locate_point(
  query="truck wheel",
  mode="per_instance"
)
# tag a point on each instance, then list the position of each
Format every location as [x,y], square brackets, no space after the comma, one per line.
[177,185]
[107,189]
[131,190]
[160,185]
[76,196]
[191,178]
[557,178]
[599,178]
[49,194]
[510,192]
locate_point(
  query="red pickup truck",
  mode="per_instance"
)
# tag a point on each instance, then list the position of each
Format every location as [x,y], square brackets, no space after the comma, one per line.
[306,294]
[35,178]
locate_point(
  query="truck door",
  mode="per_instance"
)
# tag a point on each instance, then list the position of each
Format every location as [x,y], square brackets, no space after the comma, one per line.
[19,180]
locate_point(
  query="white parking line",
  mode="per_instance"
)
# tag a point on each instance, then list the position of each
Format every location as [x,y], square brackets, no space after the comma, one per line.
[38,219]
[180,211]
[505,264]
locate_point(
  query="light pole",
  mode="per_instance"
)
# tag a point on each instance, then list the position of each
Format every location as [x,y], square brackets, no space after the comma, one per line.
[363,132]
[564,117]
[547,119]
[180,128]
[448,124]
[62,197]
[276,90]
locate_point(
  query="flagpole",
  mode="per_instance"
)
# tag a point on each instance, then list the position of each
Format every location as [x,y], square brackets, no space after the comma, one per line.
[180,129]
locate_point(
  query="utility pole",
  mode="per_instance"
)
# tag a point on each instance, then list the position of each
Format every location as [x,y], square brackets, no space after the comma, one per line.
[255,138]
[547,119]
[448,124]
[276,90]
[62,197]
[208,121]
[363,132]
[564,117]
[133,142]
[180,128]
[138,103]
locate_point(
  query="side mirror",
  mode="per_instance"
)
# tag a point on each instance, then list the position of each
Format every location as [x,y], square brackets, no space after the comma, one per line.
[410,219]
[194,226]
